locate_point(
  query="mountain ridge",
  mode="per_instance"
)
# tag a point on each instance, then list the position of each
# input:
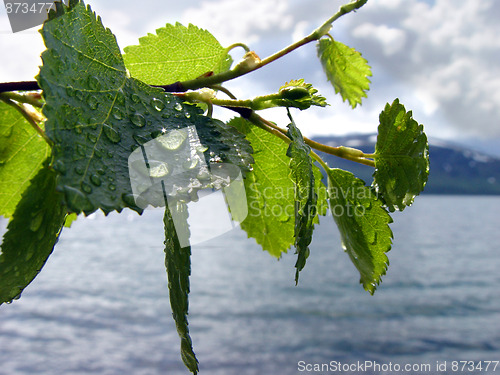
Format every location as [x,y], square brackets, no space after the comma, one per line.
[454,169]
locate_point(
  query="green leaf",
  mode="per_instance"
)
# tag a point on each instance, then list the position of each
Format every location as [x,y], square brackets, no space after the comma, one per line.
[176,53]
[31,235]
[401,157]
[22,152]
[270,191]
[302,175]
[346,69]
[70,219]
[299,94]
[97,116]
[178,265]
[363,225]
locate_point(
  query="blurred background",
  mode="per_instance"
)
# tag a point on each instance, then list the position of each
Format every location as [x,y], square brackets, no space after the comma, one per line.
[101,303]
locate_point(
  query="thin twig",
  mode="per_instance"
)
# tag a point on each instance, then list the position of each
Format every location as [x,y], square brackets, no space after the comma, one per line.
[20,108]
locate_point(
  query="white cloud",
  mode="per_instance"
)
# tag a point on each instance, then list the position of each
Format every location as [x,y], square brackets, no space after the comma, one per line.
[240,21]
[391,39]
[448,53]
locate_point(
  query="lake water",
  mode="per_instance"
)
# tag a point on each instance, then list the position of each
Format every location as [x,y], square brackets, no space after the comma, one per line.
[100,305]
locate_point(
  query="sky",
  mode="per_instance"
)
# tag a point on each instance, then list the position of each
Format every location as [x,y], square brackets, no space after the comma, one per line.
[441,58]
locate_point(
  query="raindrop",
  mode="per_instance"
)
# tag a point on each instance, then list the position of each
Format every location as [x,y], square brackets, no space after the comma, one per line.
[204,175]
[157,104]
[79,95]
[112,187]
[201,148]
[117,113]
[75,198]
[96,180]
[60,167]
[80,149]
[140,140]
[86,187]
[111,134]
[173,140]
[187,115]
[92,137]
[70,91]
[190,163]
[92,102]
[284,218]
[29,254]
[94,83]
[158,169]
[178,107]
[79,170]
[135,98]
[120,98]
[138,120]
[367,203]
[36,221]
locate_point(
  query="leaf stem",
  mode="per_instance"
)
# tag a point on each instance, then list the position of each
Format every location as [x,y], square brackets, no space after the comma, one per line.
[28,99]
[20,108]
[242,69]
[268,126]
[342,152]
[344,9]
[235,45]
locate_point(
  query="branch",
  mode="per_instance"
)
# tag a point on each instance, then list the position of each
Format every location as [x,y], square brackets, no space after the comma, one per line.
[22,110]
[19,86]
[33,86]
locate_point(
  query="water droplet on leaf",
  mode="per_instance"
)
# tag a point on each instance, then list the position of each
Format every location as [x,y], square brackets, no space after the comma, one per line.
[190,163]
[173,140]
[111,134]
[79,95]
[70,91]
[178,107]
[96,180]
[157,104]
[60,167]
[138,120]
[92,137]
[94,83]
[36,221]
[76,199]
[80,149]
[86,187]
[117,113]
[92,102]
[158,169]
[79,170]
